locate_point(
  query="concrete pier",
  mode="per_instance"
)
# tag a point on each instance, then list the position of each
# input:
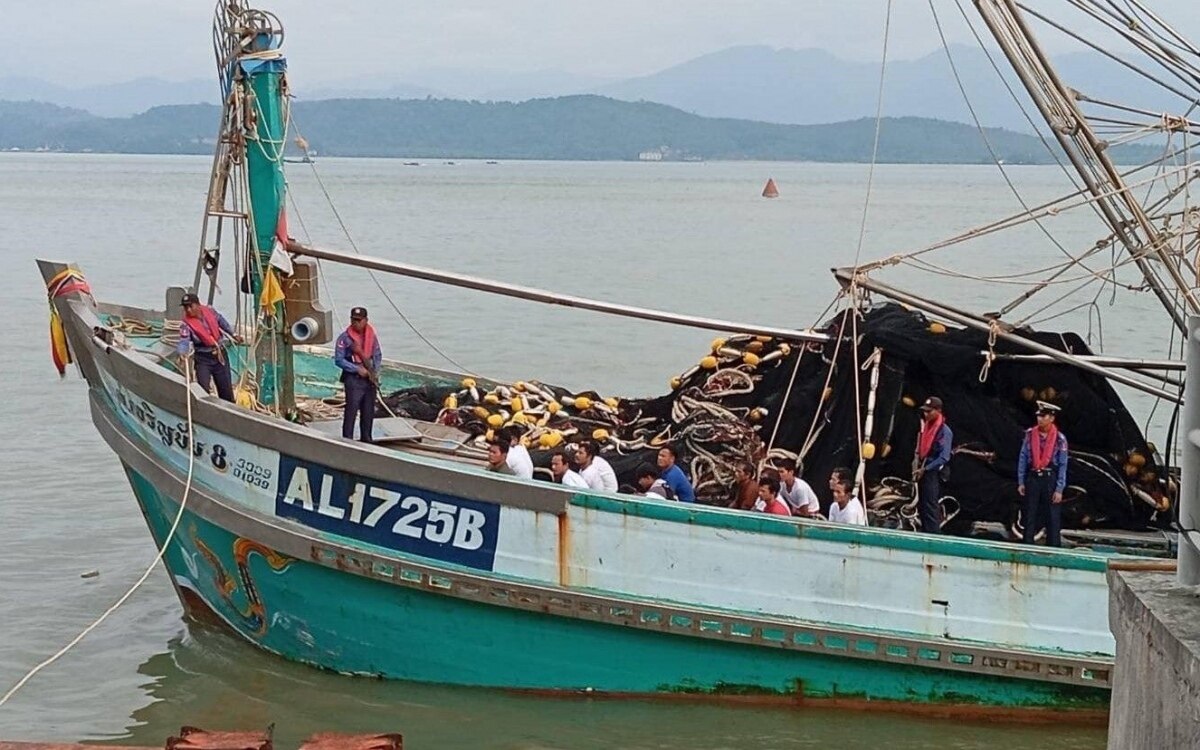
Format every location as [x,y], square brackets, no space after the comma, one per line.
[1156,689]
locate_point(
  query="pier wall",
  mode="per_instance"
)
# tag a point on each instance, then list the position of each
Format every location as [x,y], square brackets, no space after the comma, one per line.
[1156,689]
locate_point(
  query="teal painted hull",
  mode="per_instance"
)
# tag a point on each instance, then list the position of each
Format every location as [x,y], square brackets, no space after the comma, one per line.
[353,624]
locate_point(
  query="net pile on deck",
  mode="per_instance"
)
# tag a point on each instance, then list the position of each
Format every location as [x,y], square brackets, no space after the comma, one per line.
[726,408]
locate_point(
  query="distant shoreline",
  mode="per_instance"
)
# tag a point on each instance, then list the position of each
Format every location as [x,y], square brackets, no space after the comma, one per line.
[573,128]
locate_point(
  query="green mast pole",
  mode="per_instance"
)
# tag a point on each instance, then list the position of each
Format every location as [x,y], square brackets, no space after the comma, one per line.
[264,86]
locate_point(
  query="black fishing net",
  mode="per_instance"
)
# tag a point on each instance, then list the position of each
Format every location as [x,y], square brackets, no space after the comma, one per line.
[811,402]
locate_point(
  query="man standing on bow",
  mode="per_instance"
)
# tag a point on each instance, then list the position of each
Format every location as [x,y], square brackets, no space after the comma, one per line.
[201,335]
[933,453]
[1042,475]
[358,355]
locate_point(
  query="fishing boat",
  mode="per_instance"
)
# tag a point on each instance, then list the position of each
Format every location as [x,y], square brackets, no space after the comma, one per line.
[404,559]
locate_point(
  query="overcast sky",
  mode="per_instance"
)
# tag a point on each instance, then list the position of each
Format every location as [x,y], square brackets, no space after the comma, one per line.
[99,41]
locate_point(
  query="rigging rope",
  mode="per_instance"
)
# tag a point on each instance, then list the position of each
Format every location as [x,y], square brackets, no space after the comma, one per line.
[862,228]
[463,369]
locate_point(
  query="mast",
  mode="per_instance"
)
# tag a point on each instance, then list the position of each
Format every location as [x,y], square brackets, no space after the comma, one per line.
[1059,106]
[247,186]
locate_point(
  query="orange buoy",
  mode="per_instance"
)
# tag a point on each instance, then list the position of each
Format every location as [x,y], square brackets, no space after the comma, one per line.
[770,191]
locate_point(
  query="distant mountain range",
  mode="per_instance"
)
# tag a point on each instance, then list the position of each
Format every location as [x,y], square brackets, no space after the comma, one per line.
[753,83]
[575,127]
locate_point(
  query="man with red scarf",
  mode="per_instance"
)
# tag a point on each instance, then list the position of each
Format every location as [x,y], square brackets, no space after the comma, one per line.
[933,453]
[200,334]
[1042,475]
[358,355]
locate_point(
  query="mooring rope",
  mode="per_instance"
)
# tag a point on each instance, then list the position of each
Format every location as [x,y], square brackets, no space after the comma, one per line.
[187,488]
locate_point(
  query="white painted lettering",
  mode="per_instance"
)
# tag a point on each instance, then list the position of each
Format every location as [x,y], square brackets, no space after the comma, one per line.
[326,506]
[299,490]
[469,534]
[440,527]
[405,524]
[356,504]
[389,498]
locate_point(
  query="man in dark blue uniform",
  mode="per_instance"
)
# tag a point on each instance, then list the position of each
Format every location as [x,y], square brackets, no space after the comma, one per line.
[202,335]
[1042,475]
[358,355]
[933,453]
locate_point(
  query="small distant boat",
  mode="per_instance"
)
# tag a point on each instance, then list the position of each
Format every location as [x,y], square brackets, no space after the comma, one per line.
[491,161]
[770,191]
[412,163]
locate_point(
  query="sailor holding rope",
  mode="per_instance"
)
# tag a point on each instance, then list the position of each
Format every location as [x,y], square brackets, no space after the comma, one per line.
[933,455]
[202,335]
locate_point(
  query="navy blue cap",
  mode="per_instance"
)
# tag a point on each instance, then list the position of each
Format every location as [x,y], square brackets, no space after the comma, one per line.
[358,313]
[189,299]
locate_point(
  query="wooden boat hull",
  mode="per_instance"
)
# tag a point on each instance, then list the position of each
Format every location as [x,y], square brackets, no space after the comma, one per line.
[333,616]
[369,561]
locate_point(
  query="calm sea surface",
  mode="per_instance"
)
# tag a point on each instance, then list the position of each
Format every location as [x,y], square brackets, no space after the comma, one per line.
[686,237]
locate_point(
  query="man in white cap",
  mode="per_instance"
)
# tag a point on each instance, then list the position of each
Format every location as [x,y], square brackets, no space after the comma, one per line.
[933,453]
[1042,475]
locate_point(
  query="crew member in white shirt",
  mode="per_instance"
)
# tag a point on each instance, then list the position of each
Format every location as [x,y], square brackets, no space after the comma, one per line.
[846,507]
[560,467]
[795,491]
[597,472]
[519,459]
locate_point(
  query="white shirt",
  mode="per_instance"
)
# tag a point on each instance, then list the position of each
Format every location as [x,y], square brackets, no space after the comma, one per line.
[658,490]
[572,479]
[800,496]
[520,462]
[852,514]
[599,475]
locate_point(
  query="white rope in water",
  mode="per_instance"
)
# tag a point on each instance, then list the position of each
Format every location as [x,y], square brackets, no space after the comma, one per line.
[187,488]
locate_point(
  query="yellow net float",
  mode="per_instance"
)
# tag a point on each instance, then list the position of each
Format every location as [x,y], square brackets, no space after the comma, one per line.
[751,359]
[757,414]
[611,402]
[709,362]
[1137,459]
[553,407]
[480,412]
[519,418]
[495,420]
[908,401]
[551,439]
[755,346]
[451,402]
[937,328]
[717,344]
[517,404]
[519,385]
[675,383]
[600,435]
[468,383]
[582,403]
[868,451]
